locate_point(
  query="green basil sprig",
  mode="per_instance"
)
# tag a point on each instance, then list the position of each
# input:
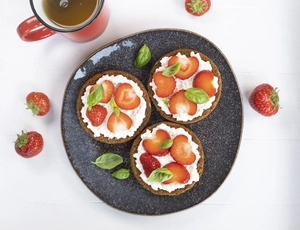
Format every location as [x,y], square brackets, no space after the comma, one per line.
[166,144]
[95,97]
[108,160]
[114,107]
[143,56]
[172,69]
[197,95]
[160,175]
[121,174]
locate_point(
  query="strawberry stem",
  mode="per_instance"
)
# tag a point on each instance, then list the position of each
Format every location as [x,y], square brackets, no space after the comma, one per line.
[275,98]
[33,107]
[21,140]
[197,6]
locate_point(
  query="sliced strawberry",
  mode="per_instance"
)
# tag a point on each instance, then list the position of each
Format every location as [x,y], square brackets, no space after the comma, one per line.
[204,80]
[179,104]
[96,115]
[165,85]
[119,123]
[188,66]
[126,98]
[153,145]
[180,173]
[108,90]
[181,150]
[149,163]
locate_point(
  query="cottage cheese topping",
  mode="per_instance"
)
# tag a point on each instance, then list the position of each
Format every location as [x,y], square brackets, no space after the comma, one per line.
[194,175]
[137,115]
[185,84]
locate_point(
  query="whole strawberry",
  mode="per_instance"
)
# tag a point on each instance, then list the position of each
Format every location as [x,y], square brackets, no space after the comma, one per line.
[265,100]
[38,103]
[29,144]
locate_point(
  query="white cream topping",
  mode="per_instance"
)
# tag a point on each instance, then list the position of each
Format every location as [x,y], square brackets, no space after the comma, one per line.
[185,84]
[137,115]
[192,169]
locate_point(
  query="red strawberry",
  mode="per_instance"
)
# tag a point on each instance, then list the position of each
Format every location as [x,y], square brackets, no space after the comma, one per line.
[153,145]
[38,103]
[126,98]
[29,144]
[204,81]
[180,173]
[181,151]
[108,90]
[96,115]
[265,100]
[188,66]
[165,85]
[179,104]
[119,123]
[149,163]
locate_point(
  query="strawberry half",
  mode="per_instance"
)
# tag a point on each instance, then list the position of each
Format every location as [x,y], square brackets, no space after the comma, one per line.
[180,173]
[126,98]
[165,85]
[96,115]
[181,150]
[179,104]
[149,163]
[119,123]
[204,80]
[188,66]
[153,145]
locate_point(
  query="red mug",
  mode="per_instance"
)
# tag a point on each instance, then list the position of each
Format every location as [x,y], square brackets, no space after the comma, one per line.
[39,26]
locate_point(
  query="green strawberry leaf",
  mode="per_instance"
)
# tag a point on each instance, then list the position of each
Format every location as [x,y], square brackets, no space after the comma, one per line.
[95,97]
[108,160]
[172,70]
[197,95]
[160,175]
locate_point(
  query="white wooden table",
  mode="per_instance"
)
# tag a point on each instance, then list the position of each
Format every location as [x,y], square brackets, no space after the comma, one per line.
[260,40]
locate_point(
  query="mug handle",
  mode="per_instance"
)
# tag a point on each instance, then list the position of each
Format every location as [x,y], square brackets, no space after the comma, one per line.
[32,30]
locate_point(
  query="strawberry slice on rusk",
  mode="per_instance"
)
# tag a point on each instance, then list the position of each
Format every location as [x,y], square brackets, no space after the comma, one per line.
[149,163]
[96,115]
[165,85]
[107,90]
[154,145]
[181,150]
[188,66]
[204,80]
[119,122]
[179,104]
[126,98]
[180,173]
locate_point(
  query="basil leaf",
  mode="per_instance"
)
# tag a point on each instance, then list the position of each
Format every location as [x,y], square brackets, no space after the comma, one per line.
[160,175]
[95,97]
[121,174]
[197,95]
[166,102]
[143,56]
[166,144]
[114,107]
[172,70]
[108,160]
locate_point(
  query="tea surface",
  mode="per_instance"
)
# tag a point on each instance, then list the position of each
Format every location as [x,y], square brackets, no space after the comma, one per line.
[67,13]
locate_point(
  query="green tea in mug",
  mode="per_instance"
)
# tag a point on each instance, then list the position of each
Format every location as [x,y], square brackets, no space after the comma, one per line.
[66,13]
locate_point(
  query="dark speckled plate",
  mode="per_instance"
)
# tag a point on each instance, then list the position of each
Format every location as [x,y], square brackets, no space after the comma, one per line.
[220,132]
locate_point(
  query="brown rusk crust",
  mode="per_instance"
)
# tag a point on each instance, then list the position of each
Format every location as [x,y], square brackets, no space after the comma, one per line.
[92,81]
[205,112]
[136,171]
